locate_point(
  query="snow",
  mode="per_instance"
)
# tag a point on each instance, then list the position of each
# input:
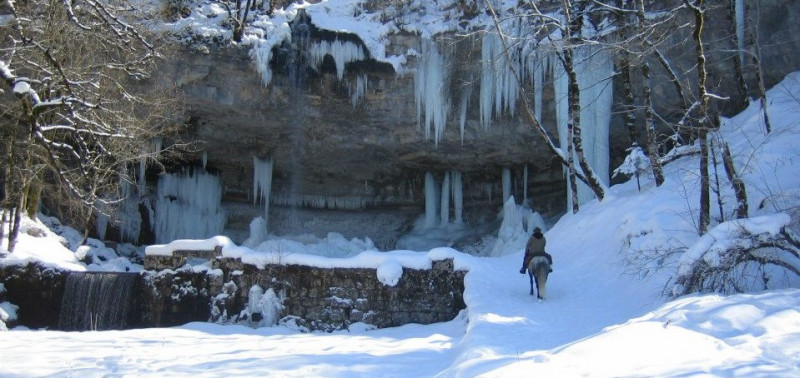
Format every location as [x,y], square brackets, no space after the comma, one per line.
[605,314]
[389,272]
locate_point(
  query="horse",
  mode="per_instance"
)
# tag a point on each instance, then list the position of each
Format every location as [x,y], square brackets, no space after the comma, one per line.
[539,268]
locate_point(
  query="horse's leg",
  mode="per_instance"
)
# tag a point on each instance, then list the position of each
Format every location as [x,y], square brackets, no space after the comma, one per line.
[530,277]
[541,280]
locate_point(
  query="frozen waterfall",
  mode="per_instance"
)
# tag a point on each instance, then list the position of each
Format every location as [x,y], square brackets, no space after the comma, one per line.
[188,206]
[594,69]
[499,86]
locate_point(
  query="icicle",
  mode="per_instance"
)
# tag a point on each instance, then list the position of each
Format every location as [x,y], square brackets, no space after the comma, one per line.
[360,89]
[130,220]
[430,200]
[158,144]
[458,196]
[596,102]
[444,215]
[341,52]
[739,9]
[204,159]
[188,206]
[538,84]
[462,120]
[506,184]
[261,53]
[499,87]
[102,221]
[142,180]
[594,70]
[525,184]
[262,183]
[431,82]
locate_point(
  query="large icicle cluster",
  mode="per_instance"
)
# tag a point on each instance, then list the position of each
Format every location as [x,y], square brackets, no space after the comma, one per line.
[431,90]
[595,70]
[439,196]
[499,87]
[342,52]
[126,217]
[330,202]
[188,206]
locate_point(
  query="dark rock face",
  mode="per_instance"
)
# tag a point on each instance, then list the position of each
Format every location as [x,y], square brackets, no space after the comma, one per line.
[373,152]
[37,290]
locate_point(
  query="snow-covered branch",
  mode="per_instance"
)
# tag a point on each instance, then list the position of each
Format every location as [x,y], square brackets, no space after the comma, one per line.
[722,259]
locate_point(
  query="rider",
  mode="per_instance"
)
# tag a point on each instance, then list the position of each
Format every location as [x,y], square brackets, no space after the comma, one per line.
[535,247]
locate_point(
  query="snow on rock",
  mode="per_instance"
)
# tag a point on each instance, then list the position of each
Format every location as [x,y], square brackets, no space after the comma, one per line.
[192,245]
[390,272]
[21,88]
[37,243]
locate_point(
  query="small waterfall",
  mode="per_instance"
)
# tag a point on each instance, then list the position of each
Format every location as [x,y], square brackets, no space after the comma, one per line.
[97,301]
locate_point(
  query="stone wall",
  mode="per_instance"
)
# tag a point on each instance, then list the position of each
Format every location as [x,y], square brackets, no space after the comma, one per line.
[313,298]
[317,299]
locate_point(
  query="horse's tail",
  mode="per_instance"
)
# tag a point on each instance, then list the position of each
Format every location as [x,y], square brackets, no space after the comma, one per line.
[539,266]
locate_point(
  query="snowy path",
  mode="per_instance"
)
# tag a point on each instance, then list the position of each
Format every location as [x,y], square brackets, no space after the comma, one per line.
[507,324]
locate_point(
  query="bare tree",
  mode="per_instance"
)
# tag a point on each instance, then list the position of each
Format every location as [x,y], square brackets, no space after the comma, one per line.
[72,120]
[238,17]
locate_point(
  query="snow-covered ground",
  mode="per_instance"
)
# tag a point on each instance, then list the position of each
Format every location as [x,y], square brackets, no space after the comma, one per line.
[605,314]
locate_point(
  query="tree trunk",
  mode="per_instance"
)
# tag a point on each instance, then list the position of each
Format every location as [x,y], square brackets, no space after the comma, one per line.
[705,184]
[736,181]
[717,189]
[703,123]
[571,175]
[625,70]
[652,144]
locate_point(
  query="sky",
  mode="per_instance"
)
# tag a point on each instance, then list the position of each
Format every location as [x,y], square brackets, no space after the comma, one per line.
[607,312]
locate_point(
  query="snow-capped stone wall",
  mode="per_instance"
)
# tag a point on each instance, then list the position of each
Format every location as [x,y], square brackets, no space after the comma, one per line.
[311,298]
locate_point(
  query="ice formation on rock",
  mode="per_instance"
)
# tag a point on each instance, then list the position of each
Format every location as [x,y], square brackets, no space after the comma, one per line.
[431,84]
[188,206]
[262,182]
[594,69]
[342,52]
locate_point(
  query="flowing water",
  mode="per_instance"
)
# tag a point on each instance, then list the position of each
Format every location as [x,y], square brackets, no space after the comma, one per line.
[97,301]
